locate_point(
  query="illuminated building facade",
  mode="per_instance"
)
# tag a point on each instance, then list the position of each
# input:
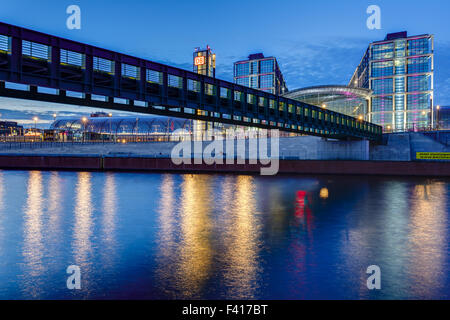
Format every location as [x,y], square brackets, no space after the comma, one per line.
[399,71]
[10,128]
[261,73]
[204,63]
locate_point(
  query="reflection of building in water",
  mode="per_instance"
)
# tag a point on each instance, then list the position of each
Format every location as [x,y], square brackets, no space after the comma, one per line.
[428,237]
[54,231]
[195,250]
[33,248]
[82,245]
[109,221]
[302,204]
[242,240]
[167,236]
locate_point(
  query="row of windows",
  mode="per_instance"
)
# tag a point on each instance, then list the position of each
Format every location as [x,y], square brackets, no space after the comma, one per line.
[413,65]
[419,101]
[254,67]
[264,81]
[414,119]
[400,48]
[414,83]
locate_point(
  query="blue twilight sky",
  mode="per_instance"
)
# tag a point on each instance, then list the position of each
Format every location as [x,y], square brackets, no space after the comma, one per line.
[316,42]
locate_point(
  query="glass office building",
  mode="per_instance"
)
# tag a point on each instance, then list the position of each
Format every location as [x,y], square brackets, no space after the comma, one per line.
[399,71]
[261,73]
[343,99]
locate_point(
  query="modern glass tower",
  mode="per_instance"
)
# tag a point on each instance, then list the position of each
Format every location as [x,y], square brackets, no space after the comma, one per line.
[261,73]
[399,71]
[204,62]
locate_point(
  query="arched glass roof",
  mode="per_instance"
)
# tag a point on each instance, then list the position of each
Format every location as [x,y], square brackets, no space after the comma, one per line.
[344,99]
[122,125]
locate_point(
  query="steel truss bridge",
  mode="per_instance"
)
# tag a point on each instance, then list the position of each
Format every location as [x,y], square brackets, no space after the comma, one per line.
[38,66]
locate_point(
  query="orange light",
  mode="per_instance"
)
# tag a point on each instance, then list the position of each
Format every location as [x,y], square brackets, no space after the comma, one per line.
[324,193]
[198,61]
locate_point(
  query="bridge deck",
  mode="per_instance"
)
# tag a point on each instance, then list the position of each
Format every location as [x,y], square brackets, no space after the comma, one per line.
[112,80]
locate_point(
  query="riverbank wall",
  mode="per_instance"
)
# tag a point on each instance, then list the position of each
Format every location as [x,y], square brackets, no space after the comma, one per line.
[286,166]
[297,155]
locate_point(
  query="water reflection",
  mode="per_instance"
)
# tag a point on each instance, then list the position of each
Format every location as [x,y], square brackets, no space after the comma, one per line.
[33,248]
[222,236]
[109,221]
[82,246]
[195,252]
[242,240]
[54,230]
[428,237]
[167,235]
[2,214]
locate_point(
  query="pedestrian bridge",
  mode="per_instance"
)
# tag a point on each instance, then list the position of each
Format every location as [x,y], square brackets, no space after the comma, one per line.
[38,66]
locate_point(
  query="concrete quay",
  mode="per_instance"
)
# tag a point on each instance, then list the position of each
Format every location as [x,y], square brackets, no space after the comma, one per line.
[302,155]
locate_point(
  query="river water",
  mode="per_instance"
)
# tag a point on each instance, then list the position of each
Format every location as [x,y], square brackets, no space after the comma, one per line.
[189,236]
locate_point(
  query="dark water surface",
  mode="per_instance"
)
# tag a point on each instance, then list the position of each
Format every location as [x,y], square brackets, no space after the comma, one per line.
[164,236]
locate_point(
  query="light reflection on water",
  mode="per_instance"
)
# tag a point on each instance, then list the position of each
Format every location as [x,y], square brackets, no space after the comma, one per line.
[222,236]
[33,247]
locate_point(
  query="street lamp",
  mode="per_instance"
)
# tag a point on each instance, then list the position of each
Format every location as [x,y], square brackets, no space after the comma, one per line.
[324,106]
[84,120]
[35,119]
[110,127]
[360,118]
[437,116]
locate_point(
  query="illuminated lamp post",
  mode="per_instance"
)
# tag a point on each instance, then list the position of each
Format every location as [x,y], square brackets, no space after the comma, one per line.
[110,125]
[84,120]
[423,114]
[54,131]
[35,119]
[437,116]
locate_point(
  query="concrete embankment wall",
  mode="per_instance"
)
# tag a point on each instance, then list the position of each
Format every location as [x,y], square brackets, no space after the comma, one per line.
[95,163]
[303,155]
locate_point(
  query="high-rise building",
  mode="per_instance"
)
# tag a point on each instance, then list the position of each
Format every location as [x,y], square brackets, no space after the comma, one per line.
[261,73]
[399,71]
[205,62]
